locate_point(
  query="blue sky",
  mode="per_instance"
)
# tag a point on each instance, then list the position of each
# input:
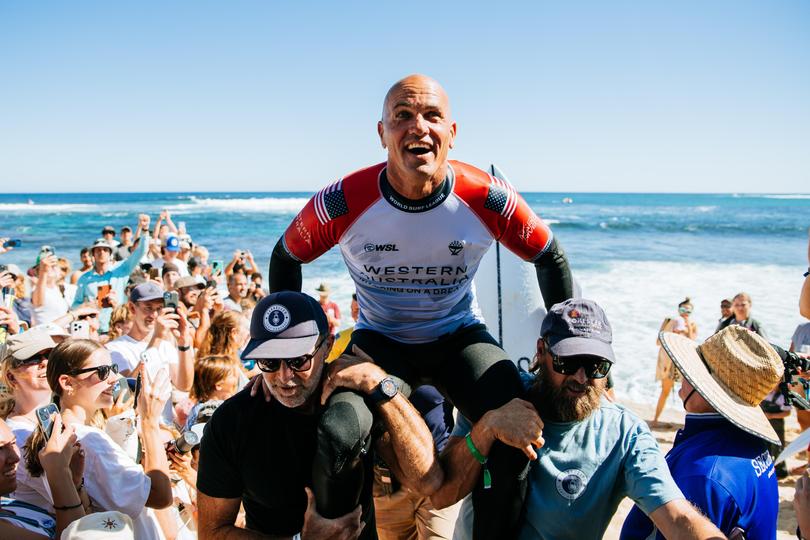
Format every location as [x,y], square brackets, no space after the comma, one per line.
[688,96]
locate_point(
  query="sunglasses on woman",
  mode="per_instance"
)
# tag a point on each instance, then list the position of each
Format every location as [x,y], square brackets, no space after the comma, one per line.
[595,367]
[33,360]
[102,371]
[298,363]
[684,310]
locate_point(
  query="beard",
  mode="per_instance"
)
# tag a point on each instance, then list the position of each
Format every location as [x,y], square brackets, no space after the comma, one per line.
[554,404]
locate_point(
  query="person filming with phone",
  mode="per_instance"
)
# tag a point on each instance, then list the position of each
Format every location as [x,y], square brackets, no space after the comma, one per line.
[108,279]
[160,335]
[82,375]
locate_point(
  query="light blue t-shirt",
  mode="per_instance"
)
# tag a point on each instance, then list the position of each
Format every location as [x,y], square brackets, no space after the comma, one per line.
[117,277]
[582,473]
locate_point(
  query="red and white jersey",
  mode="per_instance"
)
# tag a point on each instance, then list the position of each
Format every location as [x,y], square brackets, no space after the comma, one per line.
[413,261]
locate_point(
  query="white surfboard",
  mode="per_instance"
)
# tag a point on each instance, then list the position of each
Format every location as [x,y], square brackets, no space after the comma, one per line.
[799,443]
[509,298]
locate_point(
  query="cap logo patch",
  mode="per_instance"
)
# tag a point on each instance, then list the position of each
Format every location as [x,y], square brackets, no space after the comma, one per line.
[574,314]
[276,318]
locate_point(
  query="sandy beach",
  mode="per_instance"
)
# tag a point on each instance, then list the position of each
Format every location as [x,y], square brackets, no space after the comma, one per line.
[671,422]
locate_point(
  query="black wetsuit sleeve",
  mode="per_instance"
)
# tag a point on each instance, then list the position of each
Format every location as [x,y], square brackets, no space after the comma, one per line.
[285,271]
[554,275]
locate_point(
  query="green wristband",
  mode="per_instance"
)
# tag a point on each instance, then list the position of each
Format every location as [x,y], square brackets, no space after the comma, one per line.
[480,458]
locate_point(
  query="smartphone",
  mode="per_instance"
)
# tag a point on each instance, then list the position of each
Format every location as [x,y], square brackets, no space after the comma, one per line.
[216,268]
[181,227]
[44,419]
[137,391]
[101,296]
[80,329]
[154,273]
[121,386]
[12,243]
[170,300]
[210,284]
[44,251]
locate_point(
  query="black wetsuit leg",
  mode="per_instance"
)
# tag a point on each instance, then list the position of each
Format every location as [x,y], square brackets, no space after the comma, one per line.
[478,376]
[345,431]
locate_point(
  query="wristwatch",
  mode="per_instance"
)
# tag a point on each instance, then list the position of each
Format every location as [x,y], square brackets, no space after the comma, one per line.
[384,391]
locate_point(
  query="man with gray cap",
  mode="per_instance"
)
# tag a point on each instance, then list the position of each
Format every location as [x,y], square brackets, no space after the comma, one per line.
[261,453]
[586,453]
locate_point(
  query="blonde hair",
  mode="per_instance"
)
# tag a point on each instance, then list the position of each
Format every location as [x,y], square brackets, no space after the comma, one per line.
[6,389]
[210,370]
[199,251]
[120,314]
[220,339]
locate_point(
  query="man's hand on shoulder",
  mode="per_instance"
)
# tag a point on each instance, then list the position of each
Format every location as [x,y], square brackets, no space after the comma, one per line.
[355,371]
[317,527]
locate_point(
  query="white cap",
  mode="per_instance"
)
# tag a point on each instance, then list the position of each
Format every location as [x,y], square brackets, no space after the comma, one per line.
[101,525]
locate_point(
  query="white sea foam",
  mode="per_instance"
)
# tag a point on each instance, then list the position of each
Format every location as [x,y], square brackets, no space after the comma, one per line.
[788,196]
[637,296]
[253,204]
[23,208]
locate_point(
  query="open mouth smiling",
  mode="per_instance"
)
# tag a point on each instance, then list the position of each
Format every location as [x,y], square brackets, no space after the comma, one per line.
[419,148]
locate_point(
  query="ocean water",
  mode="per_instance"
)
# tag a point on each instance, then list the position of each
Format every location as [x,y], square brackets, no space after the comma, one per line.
[638,255]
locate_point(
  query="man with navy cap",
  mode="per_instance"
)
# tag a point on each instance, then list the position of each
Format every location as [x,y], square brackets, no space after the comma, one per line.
[260,452]
[587,453]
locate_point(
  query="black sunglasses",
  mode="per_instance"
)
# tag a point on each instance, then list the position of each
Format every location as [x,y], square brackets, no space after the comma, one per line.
[102,371]
[298,363]
[33,360]
[595,367]
[87,316]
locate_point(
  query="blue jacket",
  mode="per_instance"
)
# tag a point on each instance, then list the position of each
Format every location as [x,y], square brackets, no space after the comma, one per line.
[727,473]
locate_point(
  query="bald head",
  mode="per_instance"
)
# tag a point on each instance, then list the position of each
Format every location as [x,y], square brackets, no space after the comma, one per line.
[414,84]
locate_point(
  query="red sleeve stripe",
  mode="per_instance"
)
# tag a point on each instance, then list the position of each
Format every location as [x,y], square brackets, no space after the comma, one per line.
[511,197]
[321,209]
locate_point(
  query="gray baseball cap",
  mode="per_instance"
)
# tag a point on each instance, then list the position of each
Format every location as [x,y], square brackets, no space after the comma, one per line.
[578,326]
[145,292]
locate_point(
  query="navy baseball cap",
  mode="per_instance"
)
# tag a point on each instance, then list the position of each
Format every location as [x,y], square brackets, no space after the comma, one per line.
[285,324]
[578,326]
[145,292]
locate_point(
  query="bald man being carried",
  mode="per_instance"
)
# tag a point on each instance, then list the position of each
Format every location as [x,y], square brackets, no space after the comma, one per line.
[412,231]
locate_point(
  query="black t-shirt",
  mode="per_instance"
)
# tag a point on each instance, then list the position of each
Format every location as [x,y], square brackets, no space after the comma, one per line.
[263,453]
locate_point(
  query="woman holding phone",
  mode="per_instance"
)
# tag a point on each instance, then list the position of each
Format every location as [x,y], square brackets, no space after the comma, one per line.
[81,375]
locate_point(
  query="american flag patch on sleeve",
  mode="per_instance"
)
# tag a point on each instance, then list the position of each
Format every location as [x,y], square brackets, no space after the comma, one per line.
[330,202]
[501,197]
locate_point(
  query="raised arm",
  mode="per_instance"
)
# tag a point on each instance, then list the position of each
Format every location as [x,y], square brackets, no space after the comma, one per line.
[285,271]
[804,299]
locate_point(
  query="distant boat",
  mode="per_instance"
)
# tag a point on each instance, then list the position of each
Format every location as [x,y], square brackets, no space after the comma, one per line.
[567,200]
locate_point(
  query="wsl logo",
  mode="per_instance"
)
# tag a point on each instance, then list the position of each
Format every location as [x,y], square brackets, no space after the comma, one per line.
[455,247]
[368,248]
[571,483]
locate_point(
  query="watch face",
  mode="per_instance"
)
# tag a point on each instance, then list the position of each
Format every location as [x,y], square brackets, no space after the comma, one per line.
[389,387]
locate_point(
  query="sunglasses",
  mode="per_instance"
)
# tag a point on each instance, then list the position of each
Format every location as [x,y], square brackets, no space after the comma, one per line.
[87,316]
[595,367]
[684,310]
[102,371]
[32,361]
[298,363]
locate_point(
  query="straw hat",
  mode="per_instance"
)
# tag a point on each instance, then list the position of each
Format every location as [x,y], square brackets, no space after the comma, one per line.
[323,288]
[733,370]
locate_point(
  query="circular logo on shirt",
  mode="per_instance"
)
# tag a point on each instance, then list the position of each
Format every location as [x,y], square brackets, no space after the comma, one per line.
[368,248]
[571,483]
[276,318]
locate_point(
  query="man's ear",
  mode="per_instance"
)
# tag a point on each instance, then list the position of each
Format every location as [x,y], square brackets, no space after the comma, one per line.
[380,132]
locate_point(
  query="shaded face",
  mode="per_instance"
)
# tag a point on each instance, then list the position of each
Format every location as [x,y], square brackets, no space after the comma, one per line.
[145,313]
[90,391]
[9,458]
[238,286]
[101,255]
[295,388]
[108,236]
[169,279]
[31,377]
[565,398]
[126,237]
[741,308]
[189,296]
[416,128]
[725,310]
[355,310]
[87,259]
